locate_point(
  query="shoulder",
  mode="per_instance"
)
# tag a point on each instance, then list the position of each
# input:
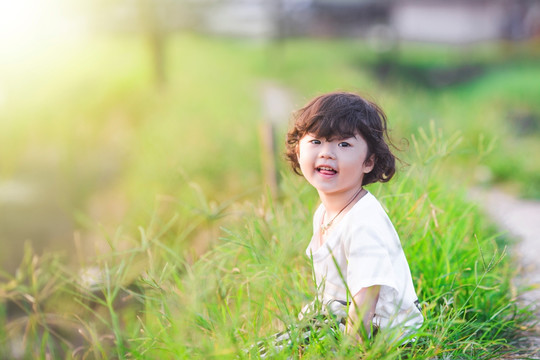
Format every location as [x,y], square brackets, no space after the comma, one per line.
[368,221]
[369,212]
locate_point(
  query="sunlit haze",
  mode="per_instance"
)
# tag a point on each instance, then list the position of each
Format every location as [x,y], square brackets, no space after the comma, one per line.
[27,27]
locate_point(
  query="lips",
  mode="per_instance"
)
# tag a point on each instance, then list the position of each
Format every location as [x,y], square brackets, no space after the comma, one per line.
[326,170]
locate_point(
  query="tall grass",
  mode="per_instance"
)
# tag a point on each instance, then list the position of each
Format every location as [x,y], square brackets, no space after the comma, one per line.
[149,301]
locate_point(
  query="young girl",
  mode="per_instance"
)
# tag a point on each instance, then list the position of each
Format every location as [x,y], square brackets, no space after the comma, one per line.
[338,144]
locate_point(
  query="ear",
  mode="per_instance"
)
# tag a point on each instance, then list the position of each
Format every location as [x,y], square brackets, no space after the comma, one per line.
[369,164]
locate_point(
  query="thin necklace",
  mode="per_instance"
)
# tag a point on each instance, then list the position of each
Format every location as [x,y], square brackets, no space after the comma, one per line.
[325,227]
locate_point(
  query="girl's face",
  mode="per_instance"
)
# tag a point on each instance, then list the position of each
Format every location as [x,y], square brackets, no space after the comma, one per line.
[334,167]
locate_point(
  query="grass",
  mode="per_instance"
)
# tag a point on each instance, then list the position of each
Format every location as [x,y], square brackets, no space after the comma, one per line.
[148,301]
[194,258]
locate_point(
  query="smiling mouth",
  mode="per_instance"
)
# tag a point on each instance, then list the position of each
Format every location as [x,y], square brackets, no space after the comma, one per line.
[326,170]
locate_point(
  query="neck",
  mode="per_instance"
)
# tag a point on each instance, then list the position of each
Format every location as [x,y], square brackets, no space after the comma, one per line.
[334,203]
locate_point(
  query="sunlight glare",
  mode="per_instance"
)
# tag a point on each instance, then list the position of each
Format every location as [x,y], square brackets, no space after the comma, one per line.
[29,26]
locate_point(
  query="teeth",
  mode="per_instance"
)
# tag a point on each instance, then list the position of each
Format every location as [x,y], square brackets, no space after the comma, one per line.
[326,168]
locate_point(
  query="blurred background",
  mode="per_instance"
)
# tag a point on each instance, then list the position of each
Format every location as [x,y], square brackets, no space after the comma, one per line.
[116,113]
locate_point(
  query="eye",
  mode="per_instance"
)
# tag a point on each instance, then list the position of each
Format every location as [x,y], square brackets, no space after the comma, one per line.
[314,141]
[344,144]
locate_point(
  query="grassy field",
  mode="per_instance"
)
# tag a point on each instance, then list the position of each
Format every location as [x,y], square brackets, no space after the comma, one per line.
[175,248]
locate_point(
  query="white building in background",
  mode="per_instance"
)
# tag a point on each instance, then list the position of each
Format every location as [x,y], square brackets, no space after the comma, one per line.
[455,22]
[442,21]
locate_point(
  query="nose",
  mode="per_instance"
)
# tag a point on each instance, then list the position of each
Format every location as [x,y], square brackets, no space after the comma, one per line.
[327,151]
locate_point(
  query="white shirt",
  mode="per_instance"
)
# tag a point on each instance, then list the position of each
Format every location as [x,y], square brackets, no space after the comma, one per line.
[366,248]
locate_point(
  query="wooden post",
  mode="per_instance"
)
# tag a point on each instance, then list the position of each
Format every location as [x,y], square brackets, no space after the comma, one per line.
[155,35]
[268,157]
[276,108]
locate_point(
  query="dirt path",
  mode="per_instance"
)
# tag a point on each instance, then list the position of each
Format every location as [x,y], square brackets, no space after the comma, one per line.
[521,219]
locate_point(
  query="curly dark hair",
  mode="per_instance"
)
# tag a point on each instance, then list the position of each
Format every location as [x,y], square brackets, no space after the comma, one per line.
[342,115]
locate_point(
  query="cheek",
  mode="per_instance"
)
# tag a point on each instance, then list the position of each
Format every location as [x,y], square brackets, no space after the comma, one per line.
[304,160]
[301,161]
[301,153]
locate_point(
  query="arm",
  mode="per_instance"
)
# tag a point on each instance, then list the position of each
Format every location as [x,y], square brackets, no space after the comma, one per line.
[362,307]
